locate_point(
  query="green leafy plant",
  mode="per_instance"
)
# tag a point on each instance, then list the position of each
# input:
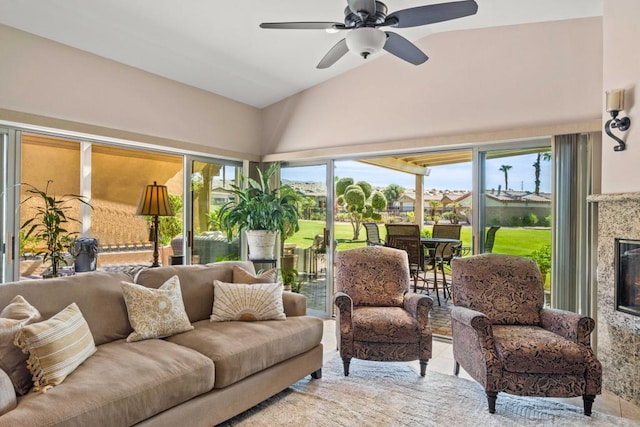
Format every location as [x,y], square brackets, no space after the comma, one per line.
[49,222]
[258,206]
[290,279]
[542,257]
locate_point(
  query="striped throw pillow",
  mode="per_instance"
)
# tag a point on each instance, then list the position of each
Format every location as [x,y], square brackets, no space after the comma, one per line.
[56,347]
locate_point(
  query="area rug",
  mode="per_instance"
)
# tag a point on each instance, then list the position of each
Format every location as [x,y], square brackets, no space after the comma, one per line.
[394,394]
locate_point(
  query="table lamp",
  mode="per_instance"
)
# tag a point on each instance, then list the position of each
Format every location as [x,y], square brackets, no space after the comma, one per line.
[155,202]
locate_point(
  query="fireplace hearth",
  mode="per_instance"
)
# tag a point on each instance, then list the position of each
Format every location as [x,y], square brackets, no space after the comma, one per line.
[627,256]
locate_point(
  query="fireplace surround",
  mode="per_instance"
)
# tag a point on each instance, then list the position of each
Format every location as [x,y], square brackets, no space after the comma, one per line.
[618,331]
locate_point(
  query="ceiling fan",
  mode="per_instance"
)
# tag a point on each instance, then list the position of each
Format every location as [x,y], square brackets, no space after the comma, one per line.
[364,17]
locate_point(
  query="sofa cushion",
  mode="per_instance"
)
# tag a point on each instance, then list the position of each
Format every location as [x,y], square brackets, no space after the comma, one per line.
[12,360]
[533,350]
[236,301]
[97,294]
[240,275]
[196,282]
[56,346]
[121,384]
[155,313]
[240,349]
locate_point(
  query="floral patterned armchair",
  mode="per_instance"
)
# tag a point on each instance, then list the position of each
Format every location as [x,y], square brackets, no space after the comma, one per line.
[378,318]
[507,342]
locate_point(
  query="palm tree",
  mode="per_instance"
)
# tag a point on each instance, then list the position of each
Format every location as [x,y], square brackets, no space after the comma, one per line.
[541,156]
[505,169]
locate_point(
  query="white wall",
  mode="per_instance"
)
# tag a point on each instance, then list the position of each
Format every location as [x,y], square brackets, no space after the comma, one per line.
[475,81]
[621,69]
[42,77]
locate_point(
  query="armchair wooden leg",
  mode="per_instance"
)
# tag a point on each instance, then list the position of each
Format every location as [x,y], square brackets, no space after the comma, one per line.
[423,367]
[346,361]
[588,403]
[492,396]
[456,368]
[317,374]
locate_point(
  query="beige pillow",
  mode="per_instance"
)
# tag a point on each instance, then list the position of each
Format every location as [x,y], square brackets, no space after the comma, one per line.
[237,301]
[12,360]
[56,346]
[240,275]
[155,313]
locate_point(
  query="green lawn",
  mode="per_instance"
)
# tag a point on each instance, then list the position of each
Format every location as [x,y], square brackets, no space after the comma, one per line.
[509,240]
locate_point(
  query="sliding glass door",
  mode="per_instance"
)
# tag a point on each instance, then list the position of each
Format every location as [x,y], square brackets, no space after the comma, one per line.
[206,242]
[515,199]
[309,251]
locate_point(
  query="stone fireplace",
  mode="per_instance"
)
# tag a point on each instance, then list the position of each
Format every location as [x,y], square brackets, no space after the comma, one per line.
[618,330]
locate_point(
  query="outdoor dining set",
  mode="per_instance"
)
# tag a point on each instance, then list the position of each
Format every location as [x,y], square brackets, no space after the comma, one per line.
[425,253]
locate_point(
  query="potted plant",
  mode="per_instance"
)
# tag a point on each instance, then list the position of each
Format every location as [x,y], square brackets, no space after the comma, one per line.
[290,279]
[48,225]
[261,211]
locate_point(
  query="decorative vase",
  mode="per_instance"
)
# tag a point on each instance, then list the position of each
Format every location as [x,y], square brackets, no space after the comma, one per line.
[261,244]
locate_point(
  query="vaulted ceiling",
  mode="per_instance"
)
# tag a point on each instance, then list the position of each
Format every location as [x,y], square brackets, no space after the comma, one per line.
[218,45]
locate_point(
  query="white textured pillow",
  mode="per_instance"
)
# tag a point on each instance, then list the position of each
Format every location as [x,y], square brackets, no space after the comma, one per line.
[13,361]
[155,313]
[56,346]
[237,301]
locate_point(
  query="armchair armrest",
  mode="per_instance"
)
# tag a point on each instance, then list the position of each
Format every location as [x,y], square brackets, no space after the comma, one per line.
[344,326]
[474,348]
[418,305]
[8,399]
[294,304]
[572,326]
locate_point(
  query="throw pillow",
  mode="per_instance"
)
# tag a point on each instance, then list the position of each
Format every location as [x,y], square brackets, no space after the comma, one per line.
[12,360]
[240,275]
[56,346]
[155,313]
[237,301]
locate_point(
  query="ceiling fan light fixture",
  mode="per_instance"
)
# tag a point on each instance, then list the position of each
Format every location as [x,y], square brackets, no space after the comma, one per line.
[365,41]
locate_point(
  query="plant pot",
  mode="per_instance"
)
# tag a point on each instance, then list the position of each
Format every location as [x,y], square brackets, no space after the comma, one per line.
[261,244]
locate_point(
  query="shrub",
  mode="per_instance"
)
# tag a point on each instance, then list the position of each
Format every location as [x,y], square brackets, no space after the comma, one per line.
[529,220]
[546,222]
[542,257]
[515,221]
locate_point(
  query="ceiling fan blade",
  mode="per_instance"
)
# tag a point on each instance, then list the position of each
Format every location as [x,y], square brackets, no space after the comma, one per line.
[303,25]
[404,49]
[336,52]
[367,6]
[432,13]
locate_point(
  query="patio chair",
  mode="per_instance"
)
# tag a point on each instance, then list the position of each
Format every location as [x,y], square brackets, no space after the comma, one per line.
[446,231]
[507,341]
[436,260]
[373,234]
[378,318]
[490,239]
[407,238]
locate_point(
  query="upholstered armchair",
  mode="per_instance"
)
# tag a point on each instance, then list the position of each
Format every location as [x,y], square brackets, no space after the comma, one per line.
[378,318]
[507,341]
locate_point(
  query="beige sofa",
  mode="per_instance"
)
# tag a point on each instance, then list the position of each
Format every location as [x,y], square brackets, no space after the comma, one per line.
[197,378]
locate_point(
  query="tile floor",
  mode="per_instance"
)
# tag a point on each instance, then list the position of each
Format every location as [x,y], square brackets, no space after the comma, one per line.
[442,362]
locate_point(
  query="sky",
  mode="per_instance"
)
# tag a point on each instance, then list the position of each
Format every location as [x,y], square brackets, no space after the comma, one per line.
[521,176]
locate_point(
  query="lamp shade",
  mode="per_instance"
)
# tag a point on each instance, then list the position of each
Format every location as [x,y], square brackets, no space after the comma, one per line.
[155,201]
[365,41]
[615,100]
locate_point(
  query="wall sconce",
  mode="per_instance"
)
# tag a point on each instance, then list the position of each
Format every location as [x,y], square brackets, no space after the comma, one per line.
[615,104]
[155,202]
